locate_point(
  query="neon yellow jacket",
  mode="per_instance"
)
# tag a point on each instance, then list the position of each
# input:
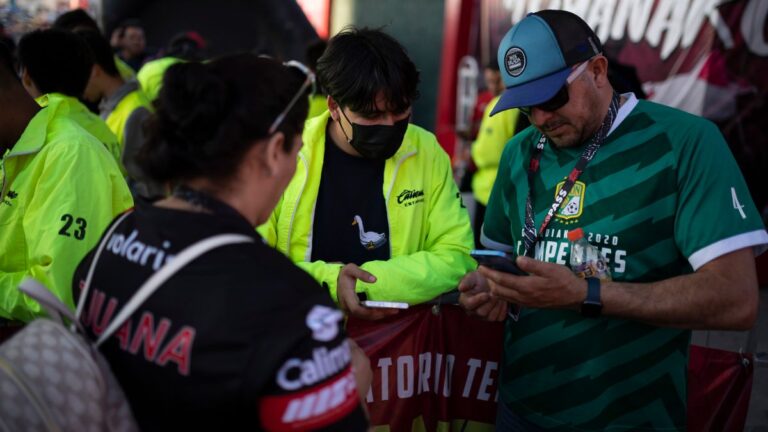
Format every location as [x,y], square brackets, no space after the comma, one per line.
[74,109]
[150,75]
[117,119]
[318,104]
[486,150]
[60,190]
[430,235]
[126,72]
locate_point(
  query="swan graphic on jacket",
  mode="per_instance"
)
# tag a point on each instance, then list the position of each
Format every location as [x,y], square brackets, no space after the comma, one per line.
[369,239]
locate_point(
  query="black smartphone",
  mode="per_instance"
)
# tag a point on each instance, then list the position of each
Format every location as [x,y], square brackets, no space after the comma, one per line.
[497,260]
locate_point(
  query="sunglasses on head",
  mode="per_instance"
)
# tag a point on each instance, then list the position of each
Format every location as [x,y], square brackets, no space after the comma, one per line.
[308,82]
[561,97]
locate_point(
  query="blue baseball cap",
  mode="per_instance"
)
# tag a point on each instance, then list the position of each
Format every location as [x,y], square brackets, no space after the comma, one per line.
[536,56]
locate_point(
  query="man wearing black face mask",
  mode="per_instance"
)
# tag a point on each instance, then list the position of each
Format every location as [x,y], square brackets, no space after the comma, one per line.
[373,207]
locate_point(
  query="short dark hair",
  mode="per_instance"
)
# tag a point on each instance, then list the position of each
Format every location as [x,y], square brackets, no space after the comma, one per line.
[314,51]
[75,19]
[187,46]
[56,61]
[102,52]
[208,115]
[360,63]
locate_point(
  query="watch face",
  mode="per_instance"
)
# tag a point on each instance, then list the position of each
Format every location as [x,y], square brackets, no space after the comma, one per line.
[591,309]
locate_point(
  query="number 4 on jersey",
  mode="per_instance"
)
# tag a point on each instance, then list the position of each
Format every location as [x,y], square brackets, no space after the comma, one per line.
[736,204]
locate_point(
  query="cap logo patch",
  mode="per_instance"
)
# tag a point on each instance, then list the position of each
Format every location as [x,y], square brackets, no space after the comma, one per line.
[514,61]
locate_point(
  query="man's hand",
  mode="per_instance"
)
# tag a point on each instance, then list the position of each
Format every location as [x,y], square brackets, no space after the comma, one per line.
[348,301]
[547,286]
[475,298]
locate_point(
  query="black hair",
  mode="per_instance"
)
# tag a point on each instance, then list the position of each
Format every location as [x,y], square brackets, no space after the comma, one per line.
[75,19]
[186,47]
[208,115]
[102,52]
[56,61]
[360,63]
[314,51]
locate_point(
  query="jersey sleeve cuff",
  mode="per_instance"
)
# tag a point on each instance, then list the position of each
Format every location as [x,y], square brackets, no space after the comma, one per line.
[757,239]
[492,244]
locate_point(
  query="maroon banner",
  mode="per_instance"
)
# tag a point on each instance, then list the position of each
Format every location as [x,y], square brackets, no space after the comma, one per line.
[431,371]
[719,386]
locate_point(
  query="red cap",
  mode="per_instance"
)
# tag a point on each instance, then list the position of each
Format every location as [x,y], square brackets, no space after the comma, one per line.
[576,234]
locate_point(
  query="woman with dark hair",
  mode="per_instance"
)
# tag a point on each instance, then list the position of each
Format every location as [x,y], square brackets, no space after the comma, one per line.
[239,338]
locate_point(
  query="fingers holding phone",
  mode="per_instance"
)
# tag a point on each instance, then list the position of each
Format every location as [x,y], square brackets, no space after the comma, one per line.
[497,260]
[348,300]
[476,300]
[494,307]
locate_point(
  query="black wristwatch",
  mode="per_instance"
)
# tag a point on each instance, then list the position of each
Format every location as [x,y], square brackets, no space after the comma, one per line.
[592,306]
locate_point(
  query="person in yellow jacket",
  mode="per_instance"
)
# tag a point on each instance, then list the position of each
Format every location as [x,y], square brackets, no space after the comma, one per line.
[151,74]
[60,190]
[79,19]
[119,100]
[493,135]
[124,107]
[373,207]
[185,46]
[55,66]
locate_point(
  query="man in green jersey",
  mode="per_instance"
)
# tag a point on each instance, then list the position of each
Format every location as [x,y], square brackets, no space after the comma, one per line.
[657,191]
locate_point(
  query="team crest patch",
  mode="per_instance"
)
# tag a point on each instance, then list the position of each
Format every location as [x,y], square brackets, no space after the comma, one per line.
[573,205]
[515,61]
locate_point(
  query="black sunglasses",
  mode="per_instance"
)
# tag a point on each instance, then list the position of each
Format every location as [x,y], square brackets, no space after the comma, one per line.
[561,97]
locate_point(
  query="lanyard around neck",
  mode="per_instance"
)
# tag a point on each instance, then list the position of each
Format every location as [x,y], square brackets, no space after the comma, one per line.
[530,234]
[201,199]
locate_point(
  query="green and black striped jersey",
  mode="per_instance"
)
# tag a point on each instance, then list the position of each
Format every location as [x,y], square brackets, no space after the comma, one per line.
[662,197]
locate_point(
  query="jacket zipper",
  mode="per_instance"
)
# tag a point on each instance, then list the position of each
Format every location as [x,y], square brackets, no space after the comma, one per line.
[296,206]
[389,194]
[5,175]
[298,200]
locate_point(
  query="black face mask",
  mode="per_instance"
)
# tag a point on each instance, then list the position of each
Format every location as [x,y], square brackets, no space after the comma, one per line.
[376,141]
